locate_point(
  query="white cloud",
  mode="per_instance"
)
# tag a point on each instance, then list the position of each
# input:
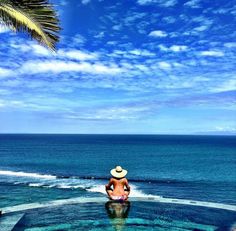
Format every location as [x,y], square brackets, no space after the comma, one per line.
[117,27]
[85,2]
[63,2]
[12,82]
[142,68]
[164,65]
[201,19]
[119,112]
[2,103]
[174,48]
[163,48]
[73,54]
[176,64]
[118,53]
[76,54]
[212,53]
[112,113]
[201,28]
[22,47]
[112,43]
[22,104]
[5,72]
[3,29]
[177,48]
[30,47]
[131,54]
[144,2]
[230,44]
[78,39]
[158,33]
[163,3]
[40,50]
[193,4]
[226,10]
[142,52]
[229,85]
[134,16]
[169,19]
[4,92]
[203,22]
[100,35]
[221,11]
[56,66]
[225,129]
[168,3]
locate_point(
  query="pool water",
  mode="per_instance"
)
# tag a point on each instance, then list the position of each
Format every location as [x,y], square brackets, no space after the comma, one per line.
[126,216]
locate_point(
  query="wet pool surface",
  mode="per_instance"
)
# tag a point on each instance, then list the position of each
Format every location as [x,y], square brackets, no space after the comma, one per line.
[126,216]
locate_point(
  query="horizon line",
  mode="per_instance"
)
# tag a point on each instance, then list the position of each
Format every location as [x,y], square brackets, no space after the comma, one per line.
[133,134]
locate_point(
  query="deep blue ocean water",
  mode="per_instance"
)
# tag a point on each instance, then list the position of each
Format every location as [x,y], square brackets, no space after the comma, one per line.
[46,167]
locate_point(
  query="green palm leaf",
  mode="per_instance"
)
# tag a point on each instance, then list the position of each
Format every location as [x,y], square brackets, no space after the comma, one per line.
[35,17]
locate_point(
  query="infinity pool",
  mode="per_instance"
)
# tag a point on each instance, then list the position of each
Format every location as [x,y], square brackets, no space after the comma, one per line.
[126,216]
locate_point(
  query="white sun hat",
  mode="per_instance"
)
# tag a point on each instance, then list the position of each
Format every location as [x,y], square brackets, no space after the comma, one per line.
[118,172]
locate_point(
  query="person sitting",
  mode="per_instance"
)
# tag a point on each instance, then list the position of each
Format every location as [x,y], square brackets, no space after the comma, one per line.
[118,187]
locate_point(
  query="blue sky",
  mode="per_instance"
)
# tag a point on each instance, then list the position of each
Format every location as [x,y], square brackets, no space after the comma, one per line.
[132,66]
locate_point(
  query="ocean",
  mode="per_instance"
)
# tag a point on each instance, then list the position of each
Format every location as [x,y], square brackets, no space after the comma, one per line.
[38,168]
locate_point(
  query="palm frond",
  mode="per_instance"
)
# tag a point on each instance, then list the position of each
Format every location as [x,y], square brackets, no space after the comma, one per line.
[35,17]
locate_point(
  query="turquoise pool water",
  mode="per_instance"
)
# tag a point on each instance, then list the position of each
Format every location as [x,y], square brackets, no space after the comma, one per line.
[126,216]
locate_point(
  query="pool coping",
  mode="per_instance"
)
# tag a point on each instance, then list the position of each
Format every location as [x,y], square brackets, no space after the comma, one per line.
[9,221]
[79,200]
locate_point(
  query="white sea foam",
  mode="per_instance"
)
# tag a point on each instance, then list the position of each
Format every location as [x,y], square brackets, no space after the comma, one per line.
[50,181]
[97,188]
[26,174]
[89,186]
[64,186]
[61,183]
[134,192]
[35,185]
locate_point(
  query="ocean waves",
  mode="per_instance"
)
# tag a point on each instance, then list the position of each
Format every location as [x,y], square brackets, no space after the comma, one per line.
[44,180]
[26,174]
[91,185]
[94,186]
[31,175]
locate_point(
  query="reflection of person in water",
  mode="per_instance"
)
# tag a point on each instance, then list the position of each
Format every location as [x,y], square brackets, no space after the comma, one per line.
[118,212]
[117,209]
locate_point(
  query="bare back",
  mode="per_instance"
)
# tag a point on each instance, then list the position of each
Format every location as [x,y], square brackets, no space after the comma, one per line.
[120,186]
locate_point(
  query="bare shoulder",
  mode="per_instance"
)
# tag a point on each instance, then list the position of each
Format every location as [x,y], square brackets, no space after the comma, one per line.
[125,180]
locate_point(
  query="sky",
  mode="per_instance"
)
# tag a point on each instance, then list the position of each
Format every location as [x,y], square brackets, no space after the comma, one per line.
[124,67]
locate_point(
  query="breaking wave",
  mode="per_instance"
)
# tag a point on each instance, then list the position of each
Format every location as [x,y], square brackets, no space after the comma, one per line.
[26,174]
[51,181]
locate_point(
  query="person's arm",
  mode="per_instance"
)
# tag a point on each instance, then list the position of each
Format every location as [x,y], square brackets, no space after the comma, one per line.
[108,186]
[127,185]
